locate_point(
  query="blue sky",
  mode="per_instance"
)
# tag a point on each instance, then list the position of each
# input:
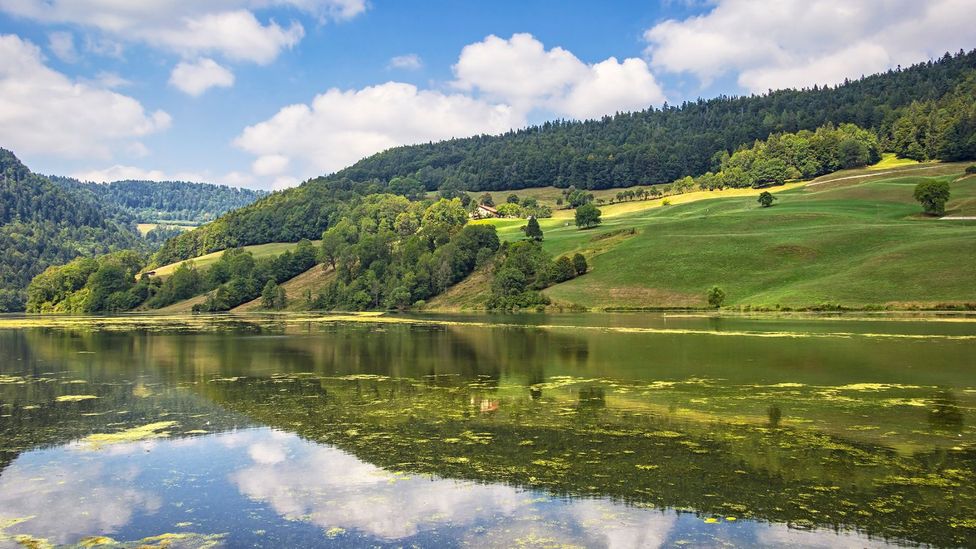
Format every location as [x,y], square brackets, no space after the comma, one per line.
[266,93]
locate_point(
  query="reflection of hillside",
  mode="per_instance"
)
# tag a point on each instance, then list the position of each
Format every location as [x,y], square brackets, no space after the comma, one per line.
[592,449]
[48,368]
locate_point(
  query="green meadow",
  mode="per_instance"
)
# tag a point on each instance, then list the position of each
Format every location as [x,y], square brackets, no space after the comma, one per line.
[852,239]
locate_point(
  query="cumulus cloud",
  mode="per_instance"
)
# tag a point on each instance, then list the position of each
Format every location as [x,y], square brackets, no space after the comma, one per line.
[120,172]
[190,27]
[271,164]
[795,43]
[410,61]
[194,78]
[44,111]
[521,72]
[341,126]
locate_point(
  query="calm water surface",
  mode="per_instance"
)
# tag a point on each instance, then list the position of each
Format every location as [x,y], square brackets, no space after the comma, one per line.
[535,431]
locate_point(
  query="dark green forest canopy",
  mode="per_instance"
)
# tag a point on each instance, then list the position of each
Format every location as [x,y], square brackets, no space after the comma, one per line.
[651,146]
[152,201]
[42,224]
[50,221]
[659,145]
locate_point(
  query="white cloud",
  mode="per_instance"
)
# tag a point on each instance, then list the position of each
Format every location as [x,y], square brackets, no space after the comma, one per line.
[340,127]
[62,45]
[609,87]
[410,62]
[271,164]
[196,77]
[522,72]
[189,27]
[120,172]
[236,34]
[795,43]
[44,112]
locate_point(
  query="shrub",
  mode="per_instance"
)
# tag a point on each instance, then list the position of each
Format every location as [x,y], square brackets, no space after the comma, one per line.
[716,297]
[933,196]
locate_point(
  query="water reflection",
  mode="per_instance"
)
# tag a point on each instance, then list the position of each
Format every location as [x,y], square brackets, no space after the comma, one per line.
[318,495]
[491,436]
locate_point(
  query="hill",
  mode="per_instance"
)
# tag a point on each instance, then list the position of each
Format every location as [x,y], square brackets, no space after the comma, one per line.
[854,239]
[46,221]
[42,224]
[166,201]
[923,112]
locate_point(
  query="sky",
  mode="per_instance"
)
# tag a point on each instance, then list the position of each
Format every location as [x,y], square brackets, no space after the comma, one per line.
[268,93]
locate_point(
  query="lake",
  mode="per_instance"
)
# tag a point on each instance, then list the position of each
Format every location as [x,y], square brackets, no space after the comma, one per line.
[593,430]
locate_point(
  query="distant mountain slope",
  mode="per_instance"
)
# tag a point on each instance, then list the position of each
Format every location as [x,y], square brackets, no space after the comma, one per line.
[42,224]
[907,109]
[658,145]
[154,201]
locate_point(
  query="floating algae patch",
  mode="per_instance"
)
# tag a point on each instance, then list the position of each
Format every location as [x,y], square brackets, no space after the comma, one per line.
[877,387]
[145,432]
[75,398]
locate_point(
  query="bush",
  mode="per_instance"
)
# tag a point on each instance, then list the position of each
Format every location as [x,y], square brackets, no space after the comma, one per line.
[579,264]
[933,196]
[766,199]
[716,297]
[971,169]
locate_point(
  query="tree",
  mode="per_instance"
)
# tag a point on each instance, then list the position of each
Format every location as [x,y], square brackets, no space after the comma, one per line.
[588,216]
[532,230]
[716,297]
[933,196]
[579,264]
[766,199]
[443,219]
[269,295]
[512,199]
[486,200]
[563,269]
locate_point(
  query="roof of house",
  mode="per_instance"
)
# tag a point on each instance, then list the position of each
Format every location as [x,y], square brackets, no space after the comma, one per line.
[486,207]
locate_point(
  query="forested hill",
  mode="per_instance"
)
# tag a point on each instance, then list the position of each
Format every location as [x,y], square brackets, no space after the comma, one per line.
[156,201]
[659,145]
[42,224]
[923,112]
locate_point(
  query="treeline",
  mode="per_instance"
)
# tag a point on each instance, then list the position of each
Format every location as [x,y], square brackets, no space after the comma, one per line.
[109,283]
[523,269]
[801,155]
[660,145]
[154,201]
[42,224]
[942,129]
[391,253]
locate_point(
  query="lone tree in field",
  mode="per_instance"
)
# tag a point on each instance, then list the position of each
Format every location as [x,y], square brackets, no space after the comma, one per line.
[532,230]
[766,199]
[579,264]
[716,297]
[588,216]
[933,195]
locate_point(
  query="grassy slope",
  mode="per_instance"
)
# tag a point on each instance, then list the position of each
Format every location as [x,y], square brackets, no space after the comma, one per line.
[258,251]
[313,279]
[853,238]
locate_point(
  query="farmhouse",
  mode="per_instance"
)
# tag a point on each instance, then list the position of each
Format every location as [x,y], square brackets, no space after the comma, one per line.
[484,212]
